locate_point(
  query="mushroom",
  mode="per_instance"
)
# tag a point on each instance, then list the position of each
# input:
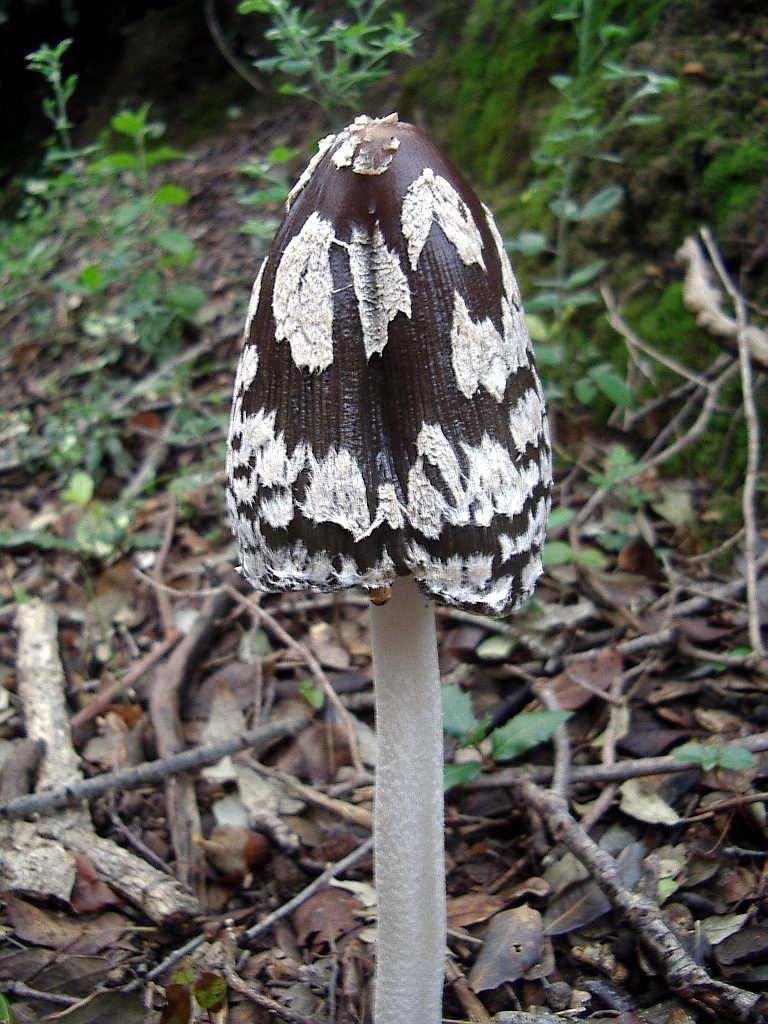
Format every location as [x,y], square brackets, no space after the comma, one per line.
[388,432]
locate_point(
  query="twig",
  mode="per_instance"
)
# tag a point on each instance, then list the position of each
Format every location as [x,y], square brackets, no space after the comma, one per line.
[749,493]
[164,701]
[618,772]
[348,812]
[703,299]
[151,462]
[223,47]
[593,814]
[562,746]
[150,772]
[105,697]
[236,983]
[170,366]
[163,600]
[41,688]
[683,974]
[696,430]
[727,805]
[273,626]
[257,930]
[471,1005]
[619,324]
[269,922]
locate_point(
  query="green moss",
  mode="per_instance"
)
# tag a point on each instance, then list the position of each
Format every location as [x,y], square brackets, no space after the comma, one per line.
[731,182]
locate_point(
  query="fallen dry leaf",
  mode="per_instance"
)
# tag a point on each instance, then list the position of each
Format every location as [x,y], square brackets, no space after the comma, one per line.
[581,682]
[514,943]
[56,931]
[326,916]
[89,893]
[472,908]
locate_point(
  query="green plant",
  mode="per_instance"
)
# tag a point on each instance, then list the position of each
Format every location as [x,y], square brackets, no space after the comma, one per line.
[47,61]
[97,241]
[274,180]
[732,758]
[513,739]
[334,64]
[599,97]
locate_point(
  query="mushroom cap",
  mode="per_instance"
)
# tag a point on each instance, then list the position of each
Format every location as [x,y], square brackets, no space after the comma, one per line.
[387,418]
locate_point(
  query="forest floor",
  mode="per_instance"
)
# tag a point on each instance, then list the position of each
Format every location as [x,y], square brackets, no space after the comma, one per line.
[602,877]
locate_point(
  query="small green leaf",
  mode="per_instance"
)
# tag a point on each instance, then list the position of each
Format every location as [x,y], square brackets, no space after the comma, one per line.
[162,155]
[131,123]
[93,278]
[612,385]
[210,991]
[458,774]
[313,695]
[559,518]
[254,7]
[6,1013]
[591,558]
[697,753]
[187,298]
[736,759]
[560,82]
[176,244]
[525,731]
[557,552]
[184,975]
[113,162]
[585,390]
[170,195]
[79,490]
[496,648]
[601,203]
[458,717]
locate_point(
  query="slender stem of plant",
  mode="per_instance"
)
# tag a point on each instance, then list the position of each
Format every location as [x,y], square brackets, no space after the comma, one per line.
[408,828]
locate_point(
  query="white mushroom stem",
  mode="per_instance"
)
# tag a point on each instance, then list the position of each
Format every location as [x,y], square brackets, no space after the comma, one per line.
[410,860]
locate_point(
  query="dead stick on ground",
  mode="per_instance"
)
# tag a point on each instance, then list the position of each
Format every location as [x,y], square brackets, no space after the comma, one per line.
[269,921]
[163,599]
[150,772]
[164,703]
[619,772]
[273,626]
[41,689]
[683,974]
[105,697]
[751,536]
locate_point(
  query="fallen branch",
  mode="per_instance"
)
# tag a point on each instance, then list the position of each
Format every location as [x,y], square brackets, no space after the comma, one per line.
[269,921]
[41,685]
[164,701]
[150,772]
[749,495]
[704,300]
[683,974]
[618,772]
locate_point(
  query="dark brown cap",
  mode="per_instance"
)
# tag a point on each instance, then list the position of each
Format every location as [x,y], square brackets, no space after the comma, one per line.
[387,418]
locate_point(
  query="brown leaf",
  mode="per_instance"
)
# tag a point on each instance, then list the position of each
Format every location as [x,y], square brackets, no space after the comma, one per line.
[56,931]
[326,916]
[638,557]
[513,944]
[107,1008]
[577,907]
[747,945]
[581,682]
[472,908]
[141,422]
[89,893]
[234,852]
[178,1005]
[700,631]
